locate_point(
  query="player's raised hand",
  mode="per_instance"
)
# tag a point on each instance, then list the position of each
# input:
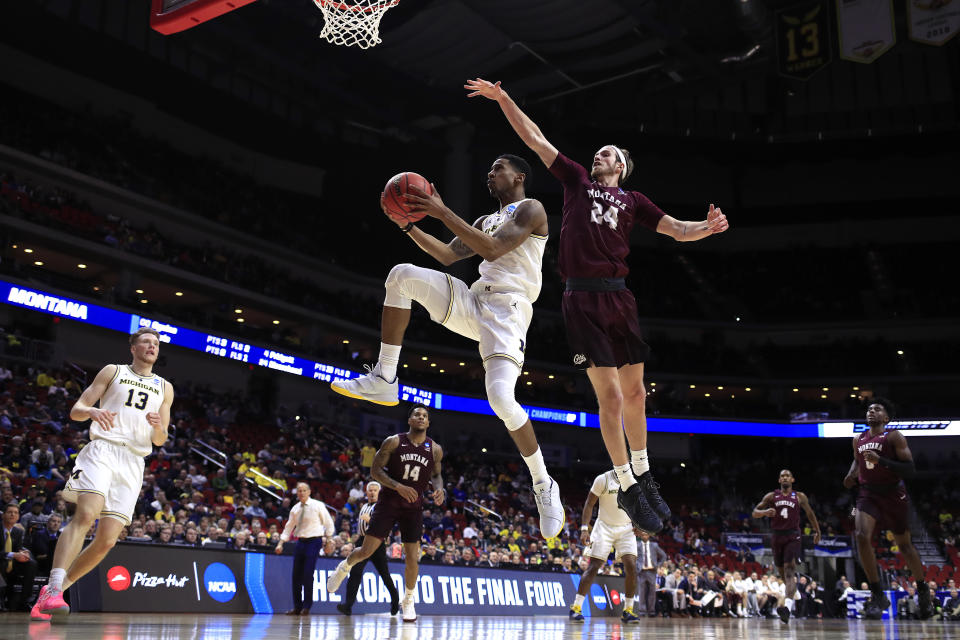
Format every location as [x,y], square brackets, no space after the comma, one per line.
[154,419]
[716,221]
[407,493]
[421,201]
[103,417]
[439,496]
[485,88]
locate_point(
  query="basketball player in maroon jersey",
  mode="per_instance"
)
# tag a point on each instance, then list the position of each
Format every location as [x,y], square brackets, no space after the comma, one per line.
[599,312]
[783,508]
[405,464]
[881,460]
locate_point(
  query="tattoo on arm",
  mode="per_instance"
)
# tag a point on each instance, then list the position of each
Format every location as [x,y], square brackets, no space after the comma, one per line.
[460,249]
[380,461]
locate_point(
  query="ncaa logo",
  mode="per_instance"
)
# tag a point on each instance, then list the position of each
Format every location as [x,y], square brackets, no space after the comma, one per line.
[220,583]
[598,597]
[118,578]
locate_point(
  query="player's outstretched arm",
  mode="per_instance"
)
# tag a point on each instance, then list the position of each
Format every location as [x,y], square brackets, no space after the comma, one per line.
[687,231]
[378,472]
[84,409]
[764,508]
[811,516]
[529,217]
[528,131]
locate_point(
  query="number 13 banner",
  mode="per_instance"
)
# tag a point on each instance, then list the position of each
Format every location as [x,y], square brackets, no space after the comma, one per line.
[933,21]
[803,40]
[866,29]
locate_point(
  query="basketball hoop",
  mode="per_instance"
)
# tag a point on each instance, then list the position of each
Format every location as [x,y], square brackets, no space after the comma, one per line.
[353,22]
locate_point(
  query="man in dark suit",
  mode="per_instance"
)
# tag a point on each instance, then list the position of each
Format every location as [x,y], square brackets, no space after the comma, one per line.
[649,557]
[17,565]
[44,542]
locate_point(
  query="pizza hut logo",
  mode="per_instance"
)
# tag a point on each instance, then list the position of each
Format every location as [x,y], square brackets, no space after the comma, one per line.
[614,596]
[579,359]
[118,578]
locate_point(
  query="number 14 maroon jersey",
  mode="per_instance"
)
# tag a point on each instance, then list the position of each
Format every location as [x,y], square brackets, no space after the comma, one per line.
[410,464]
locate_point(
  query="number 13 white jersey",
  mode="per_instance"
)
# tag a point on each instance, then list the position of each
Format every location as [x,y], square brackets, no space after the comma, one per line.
[131,396]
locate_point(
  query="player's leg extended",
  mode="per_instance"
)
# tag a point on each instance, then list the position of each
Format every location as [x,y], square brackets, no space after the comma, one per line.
[631,498]
[788,571]
[586,581]
[635,426]
[404,284]
[89,506]
[630,589]
[108,529]
[865,524]
[501,381]
[370,543]
[411,559]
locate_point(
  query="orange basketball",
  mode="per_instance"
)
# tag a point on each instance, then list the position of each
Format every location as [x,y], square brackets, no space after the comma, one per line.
[396,187]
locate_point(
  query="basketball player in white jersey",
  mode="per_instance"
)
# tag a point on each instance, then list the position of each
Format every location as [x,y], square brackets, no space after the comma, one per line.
[107,475]
[495,311]
[613,531]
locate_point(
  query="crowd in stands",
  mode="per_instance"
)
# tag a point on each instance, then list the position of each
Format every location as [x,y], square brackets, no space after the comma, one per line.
[486,522]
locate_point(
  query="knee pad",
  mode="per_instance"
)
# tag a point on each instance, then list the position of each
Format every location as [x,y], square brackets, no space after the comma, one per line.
[394,285]
[501,399]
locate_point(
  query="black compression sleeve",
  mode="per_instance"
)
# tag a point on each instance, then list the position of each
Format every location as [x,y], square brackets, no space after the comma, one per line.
[901,468]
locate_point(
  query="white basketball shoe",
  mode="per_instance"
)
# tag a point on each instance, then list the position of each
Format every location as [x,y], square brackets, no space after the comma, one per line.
[371,387]
[409,614]
[547,496]
[337,577]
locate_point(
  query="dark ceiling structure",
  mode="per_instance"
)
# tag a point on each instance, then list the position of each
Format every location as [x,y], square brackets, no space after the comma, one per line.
[683,68]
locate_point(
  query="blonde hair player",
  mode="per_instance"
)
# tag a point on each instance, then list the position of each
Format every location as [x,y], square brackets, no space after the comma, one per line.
[105,483]
[599,312]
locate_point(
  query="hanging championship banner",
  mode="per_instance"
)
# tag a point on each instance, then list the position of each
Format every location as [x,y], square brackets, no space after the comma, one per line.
[866,29]
[803,40]
[933,21]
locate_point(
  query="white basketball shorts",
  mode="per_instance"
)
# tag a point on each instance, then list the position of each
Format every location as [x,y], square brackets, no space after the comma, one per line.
[604,539]
[112,471]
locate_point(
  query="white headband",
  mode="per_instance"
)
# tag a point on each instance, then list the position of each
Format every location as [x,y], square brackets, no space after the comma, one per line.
[623,161]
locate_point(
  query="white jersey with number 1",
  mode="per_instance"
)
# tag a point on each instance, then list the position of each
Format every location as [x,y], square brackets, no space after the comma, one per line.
[131,396]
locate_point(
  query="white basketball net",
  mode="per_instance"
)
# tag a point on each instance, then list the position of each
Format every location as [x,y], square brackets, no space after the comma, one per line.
[353,22]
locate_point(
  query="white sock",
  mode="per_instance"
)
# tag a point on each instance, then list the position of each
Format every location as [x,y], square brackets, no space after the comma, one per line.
[628,604]
[578,600]
[407,594]
[389,359]
[639,461]
[790,602]
[56,579]
[625,476]
[538,468]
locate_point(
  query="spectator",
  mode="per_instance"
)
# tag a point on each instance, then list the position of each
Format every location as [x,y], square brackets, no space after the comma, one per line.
[165,536]
[19,566]
[44,543]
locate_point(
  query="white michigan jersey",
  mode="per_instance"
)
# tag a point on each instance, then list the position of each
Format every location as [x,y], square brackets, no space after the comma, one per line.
[517,271]
[606,486]
[131,396]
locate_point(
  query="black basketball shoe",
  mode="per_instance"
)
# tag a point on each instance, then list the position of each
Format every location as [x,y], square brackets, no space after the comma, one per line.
[651,492]
[636,506]
[784,614]
[875,606]
[344,608]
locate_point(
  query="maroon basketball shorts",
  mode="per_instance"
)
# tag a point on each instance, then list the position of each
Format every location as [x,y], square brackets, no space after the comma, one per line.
[603,329]
[891,509]
[786,546]
[386,514]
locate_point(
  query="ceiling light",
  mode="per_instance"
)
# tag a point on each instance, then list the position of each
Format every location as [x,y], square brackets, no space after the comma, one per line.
[550,376]
[81,266]
[143,301]
[179,294]
[238,310]
[424,358]
[138,290]
[693,386]
[239,319]
[747,389]
[28,250]
[346,342]
[433,364]
[39,263]
[276,322]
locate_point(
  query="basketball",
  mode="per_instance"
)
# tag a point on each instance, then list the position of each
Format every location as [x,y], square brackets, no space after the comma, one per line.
[398,186]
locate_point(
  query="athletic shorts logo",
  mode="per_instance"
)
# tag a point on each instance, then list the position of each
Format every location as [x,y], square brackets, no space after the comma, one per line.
[220,583]
[579,359]
[76,474]
[118,578]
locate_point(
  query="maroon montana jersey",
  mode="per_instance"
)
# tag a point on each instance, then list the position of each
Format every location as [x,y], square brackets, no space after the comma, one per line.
[874,473]
[597,220]
[412,465]
[787,506]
